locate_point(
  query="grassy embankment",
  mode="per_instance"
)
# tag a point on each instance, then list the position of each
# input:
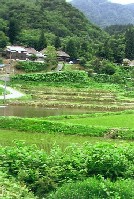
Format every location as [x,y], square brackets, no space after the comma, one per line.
[92,125]
[47,141]
[113,121]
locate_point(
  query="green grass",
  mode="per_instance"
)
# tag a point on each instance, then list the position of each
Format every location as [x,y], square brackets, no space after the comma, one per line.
[119,121]
[1,91]
[49,125]
[47,141]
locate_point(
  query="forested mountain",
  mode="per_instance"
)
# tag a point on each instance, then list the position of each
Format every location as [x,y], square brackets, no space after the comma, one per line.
[24,21]
[105,13]
[41,23]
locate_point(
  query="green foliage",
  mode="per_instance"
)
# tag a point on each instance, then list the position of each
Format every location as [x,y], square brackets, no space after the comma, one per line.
[26,164]
[43,172]
[71,49]
[129,39]
[61,77]
[115,79]
[108,68]
[54,17]
[120,75]
[101,66]
[95,188]
[29,37]
[57,43]
[51,58]
[57,23]
[31,66]
[113,49]
[1,91]
[117,29]
[3,25]
[109,120]
[42,41]
[10,188]
[108,14]
[13,30]
[3,40]
[42,126]
[33,57]
[1,60]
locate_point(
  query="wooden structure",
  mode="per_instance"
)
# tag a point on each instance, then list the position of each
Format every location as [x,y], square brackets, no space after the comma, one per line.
[16,52]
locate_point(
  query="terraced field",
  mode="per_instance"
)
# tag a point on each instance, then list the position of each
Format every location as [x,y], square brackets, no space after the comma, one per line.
[89,99]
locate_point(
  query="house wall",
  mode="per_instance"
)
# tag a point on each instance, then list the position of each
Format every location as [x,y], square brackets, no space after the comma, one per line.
[15,55]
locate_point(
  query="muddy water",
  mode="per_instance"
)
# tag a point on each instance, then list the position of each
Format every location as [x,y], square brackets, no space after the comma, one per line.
[29,111]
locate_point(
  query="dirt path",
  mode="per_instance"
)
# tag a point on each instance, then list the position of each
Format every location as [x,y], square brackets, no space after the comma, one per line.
[13,93]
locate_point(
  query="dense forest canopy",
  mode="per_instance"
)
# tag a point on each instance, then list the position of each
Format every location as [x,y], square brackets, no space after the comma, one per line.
[105,13]
[24,22]
[41,23]
[56,17]
[117,29]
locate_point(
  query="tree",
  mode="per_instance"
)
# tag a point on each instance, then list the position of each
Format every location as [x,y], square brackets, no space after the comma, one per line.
[71,49]
[13,31]
[118,49]
[113,49]
[3,40]
[57,42]
[108,67]
[33,57]
[51,59]
[129,38]
[42,42]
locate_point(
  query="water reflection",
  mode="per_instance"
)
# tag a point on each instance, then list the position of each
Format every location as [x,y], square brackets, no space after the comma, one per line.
[29,111]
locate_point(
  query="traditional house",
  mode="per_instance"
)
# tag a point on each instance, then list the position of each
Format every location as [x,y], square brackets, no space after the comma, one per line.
[16,52]
[40,57]
[22,53]
[32,54]
[127,63]
[43,52]
[31,51]
[61,55]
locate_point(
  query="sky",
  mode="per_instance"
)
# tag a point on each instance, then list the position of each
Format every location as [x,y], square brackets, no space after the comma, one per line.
[120,1]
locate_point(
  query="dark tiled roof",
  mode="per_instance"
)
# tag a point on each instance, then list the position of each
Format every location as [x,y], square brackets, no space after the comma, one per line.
[62,54]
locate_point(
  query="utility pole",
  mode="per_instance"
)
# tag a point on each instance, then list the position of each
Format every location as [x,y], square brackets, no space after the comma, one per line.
[6,78]
[5,86]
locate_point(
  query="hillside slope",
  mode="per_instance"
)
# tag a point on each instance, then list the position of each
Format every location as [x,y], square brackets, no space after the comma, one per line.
[55,17]
[105,13]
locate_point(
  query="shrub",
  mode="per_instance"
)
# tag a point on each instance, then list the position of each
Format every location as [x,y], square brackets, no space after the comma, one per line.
[93,188]
[29,66]
[60,77]
[26,163]
[39,170]
[10,188]
[42,126]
